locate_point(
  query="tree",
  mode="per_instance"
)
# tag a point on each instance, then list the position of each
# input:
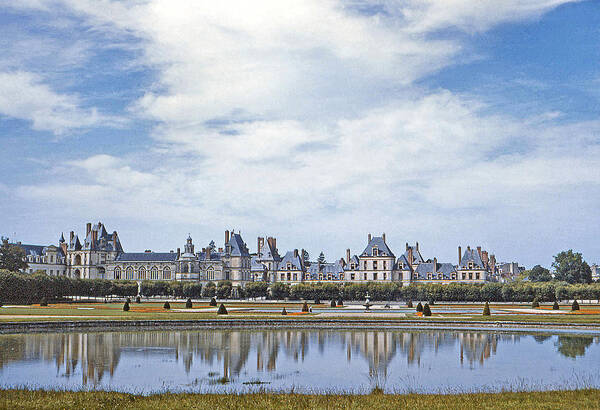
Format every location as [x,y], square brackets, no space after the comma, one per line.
[426,310]
[280,290]
[539,274]
[12,257]
[305,257]
[570,267]
[224,289]
[321,259]
[222,310]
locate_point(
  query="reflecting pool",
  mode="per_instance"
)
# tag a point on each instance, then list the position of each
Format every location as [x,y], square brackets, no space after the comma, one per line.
[300,360]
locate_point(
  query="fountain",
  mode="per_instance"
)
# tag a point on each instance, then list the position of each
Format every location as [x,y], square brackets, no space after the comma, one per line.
[367,303]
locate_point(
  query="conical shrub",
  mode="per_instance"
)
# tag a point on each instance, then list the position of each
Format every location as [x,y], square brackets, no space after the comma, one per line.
[284,312]
[167,305]
[126,307]
[138,299]
[188,303]
[426,310]
[419,307]
[222,310]
[555,306]
[486,309]
[333,304]
[535,303]
[213,302]
[305,307]
[409,304]
[575,305]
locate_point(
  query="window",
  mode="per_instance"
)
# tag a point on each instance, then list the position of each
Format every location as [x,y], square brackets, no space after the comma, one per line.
[295,276]
[429,276]
[289,276]
[129,273]
[210,273]
[289,266]
[117,273]
[384,275]
[375,265]
[415,276]
[375,251]
[477,275]
[320,276]
[365,265]
[329,276]
[470,265]
[51,259]
[454,276]
[166,273]
[142,273]
[353,266]
[283,276]
[384,265]
[464,276]
[341,276]
[470,275]
[154,273]
[375,276]
[364,276]
[440,276]
[352,276]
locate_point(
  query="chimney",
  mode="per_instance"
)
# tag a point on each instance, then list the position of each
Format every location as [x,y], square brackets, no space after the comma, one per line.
[493,263]
[410,256]
[417,246]
[259,242]
[348,256]
[469,248]
[479,251]
[485,259]
[178,252]
[295,253]
[383,236]
[369,237]
[434,265]
[114,238]
[71,236]
[94,239]
[274,243]
[406,245]
[459,255]
[207,253]
[88,228]
[226,237]
[99,226]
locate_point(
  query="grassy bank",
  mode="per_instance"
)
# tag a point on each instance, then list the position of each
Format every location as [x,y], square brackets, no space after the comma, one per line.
[25,399]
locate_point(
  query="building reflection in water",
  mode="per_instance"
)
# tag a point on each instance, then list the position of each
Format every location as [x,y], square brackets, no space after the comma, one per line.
[98,354]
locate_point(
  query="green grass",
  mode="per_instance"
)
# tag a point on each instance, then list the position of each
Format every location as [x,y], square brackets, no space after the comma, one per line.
[25,399]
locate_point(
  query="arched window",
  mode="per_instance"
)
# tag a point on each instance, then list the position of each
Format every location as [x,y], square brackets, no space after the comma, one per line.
[77,260]
[129,273]
[167,273]
[117,273]
[154,273]
[210,273]
[142,273]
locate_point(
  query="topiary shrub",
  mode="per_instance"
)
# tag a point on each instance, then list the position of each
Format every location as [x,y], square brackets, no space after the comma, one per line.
[340,302]
[167,305]
[222,310]
[426,310]
[126,307]
[486,309]
[284,312]
[535,303]
[333,304]
[409,304]
[575,305]
[305,307]
[188,303]
[419,307]
[555,306]
[213,302]
[138,299]
[44,302]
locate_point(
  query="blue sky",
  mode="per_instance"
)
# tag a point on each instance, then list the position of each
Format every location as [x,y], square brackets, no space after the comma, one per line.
[316,122]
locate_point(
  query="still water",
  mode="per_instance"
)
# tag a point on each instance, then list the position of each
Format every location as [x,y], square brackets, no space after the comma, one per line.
[300,360]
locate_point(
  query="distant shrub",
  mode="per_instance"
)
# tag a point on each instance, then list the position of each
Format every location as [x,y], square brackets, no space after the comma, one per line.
[419,307]
[340,302]
[333,304]
[213,302]
[188,303]
[305,307]
[167,305]
[426,310]
[222,310]
[409,304]
[284,312]
[535,303]
[555,306]
[486,309]
[126,307]
[138,299]
[575,305]
[44,302]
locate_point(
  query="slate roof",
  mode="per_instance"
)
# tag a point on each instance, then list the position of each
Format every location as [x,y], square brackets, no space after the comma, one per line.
[353,260]
[378,242]
[296,261]
[417,257]
[255,265]
[446,269]
[403,260]
[333,268]
[147,257]
[269,253]
[470,255]
[238,247]
[214,256]
[36,250]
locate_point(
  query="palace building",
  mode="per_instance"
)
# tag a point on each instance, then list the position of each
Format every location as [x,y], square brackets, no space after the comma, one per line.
[101,256]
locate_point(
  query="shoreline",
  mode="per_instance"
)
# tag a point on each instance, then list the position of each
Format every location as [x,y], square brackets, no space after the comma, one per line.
[316,323]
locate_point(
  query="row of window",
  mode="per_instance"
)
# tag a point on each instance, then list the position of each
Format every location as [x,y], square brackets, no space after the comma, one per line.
[142,273]
[341,276]
[453,277]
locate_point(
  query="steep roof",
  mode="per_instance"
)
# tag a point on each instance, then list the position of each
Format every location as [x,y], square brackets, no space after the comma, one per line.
[379,243]
[446,269]
[268,252]
[417,257]
[255,265]
[353,260]
[470,255]
[37,250]
[402,263]
[332,268]
[147,257]
[295,261]
[214,256]
[238,247]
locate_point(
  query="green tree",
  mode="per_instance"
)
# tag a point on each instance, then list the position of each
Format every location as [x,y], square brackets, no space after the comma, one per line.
[224,289]
[539,274]
[321,259]
[280,290]
[305,257]
[570,267]
[12,257]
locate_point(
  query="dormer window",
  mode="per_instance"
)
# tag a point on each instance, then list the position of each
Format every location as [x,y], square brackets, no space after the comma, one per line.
[375,251]
[289,266]
[470,265]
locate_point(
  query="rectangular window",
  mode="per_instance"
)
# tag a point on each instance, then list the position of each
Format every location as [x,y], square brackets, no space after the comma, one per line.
[365,265]
[375,251]
[477,275]
[352,276]
[384,275]
[365,276]
[375,276]
[470,275]
[295,276]
[384,265]
[341,276]
[375,265]
[464,276]
[282,276]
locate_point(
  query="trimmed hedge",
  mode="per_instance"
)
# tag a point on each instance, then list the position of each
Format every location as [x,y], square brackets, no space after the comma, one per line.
[222,310]
[486,309]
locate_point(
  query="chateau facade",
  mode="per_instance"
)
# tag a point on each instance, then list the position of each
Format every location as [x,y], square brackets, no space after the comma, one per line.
[101,256]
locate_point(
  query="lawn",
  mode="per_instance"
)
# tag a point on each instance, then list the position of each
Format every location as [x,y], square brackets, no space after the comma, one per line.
[25,399]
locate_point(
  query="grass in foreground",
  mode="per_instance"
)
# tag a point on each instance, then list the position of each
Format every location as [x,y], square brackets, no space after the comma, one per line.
[26,399]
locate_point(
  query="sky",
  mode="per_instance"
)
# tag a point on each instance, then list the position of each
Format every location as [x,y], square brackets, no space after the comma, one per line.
[447,123]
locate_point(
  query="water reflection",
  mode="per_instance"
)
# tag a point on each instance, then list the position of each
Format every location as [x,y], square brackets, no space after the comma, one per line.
[93,356]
